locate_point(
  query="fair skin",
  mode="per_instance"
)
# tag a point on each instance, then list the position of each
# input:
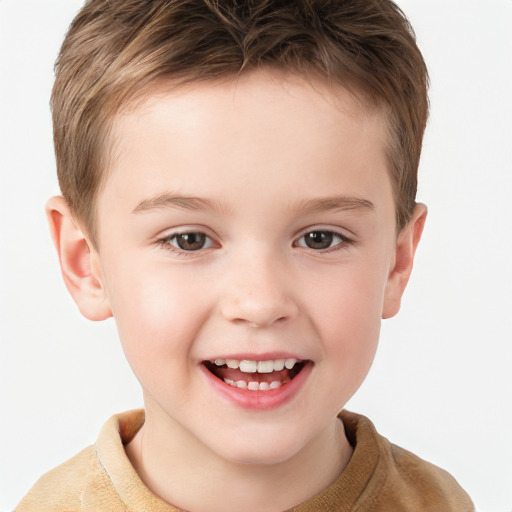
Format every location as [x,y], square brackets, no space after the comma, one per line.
[246,220]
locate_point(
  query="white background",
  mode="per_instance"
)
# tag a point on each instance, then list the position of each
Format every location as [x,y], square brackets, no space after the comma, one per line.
[441,384]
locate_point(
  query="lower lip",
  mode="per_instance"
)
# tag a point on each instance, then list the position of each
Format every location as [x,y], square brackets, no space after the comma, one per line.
[261,400]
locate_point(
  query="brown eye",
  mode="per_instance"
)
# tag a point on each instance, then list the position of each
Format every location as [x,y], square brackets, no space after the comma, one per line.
[190,241]
[321,240]
[318,239]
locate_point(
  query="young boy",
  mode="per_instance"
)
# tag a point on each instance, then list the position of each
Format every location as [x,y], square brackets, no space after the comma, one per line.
[239,185]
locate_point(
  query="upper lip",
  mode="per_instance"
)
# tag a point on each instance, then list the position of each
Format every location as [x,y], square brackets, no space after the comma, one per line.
[246,356]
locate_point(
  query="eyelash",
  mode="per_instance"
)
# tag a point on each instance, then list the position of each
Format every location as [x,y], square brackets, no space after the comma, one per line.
[342,242]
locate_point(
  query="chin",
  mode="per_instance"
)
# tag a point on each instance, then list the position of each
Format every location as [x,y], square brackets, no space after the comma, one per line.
[257,448]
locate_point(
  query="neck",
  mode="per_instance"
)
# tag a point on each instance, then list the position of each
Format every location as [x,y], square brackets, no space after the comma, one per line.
[182,471]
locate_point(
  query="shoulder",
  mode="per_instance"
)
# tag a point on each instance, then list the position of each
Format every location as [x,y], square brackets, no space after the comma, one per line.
[400,480]
[62,487]
[81,484]
[86,482]
[414,479]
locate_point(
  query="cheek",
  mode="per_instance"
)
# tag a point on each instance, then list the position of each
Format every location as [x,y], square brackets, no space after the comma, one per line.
[349,332]
[347,314]
[148,305]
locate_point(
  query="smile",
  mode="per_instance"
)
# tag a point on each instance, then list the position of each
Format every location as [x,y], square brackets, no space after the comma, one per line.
[255,375]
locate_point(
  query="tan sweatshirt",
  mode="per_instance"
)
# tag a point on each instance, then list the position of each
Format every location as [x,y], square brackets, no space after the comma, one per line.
[379,477]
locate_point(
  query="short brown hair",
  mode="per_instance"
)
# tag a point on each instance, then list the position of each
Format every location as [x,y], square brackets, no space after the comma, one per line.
[116,48]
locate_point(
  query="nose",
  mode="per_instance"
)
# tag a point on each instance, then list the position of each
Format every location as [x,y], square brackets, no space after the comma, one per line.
[258,292]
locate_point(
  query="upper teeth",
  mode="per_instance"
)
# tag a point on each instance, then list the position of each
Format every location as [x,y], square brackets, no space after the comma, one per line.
[248,366]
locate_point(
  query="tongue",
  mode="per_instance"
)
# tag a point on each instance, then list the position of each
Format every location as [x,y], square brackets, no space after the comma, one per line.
[236,375]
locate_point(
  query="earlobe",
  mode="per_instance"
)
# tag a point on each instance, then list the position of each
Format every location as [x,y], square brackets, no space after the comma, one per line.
[78,261]
[406,245]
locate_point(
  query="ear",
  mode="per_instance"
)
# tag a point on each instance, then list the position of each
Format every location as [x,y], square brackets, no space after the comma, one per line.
[79,261]
[406,244]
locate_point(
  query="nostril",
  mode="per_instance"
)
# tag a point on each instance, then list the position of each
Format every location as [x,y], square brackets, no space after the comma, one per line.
[260,317]
[261,323]
[258,303]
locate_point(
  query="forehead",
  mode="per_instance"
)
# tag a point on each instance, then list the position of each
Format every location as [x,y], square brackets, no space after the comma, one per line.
[247,96]
[264,126]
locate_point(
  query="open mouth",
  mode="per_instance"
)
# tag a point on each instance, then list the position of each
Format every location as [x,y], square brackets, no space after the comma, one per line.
[255,375]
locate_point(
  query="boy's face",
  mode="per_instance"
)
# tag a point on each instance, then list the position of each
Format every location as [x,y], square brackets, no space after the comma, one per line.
[248,221]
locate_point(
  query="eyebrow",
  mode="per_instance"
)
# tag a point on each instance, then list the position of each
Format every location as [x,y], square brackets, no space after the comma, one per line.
[170,200]
[334,204]
[310,206]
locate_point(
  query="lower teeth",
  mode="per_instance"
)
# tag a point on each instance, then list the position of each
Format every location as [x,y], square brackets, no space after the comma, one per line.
[255,386]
